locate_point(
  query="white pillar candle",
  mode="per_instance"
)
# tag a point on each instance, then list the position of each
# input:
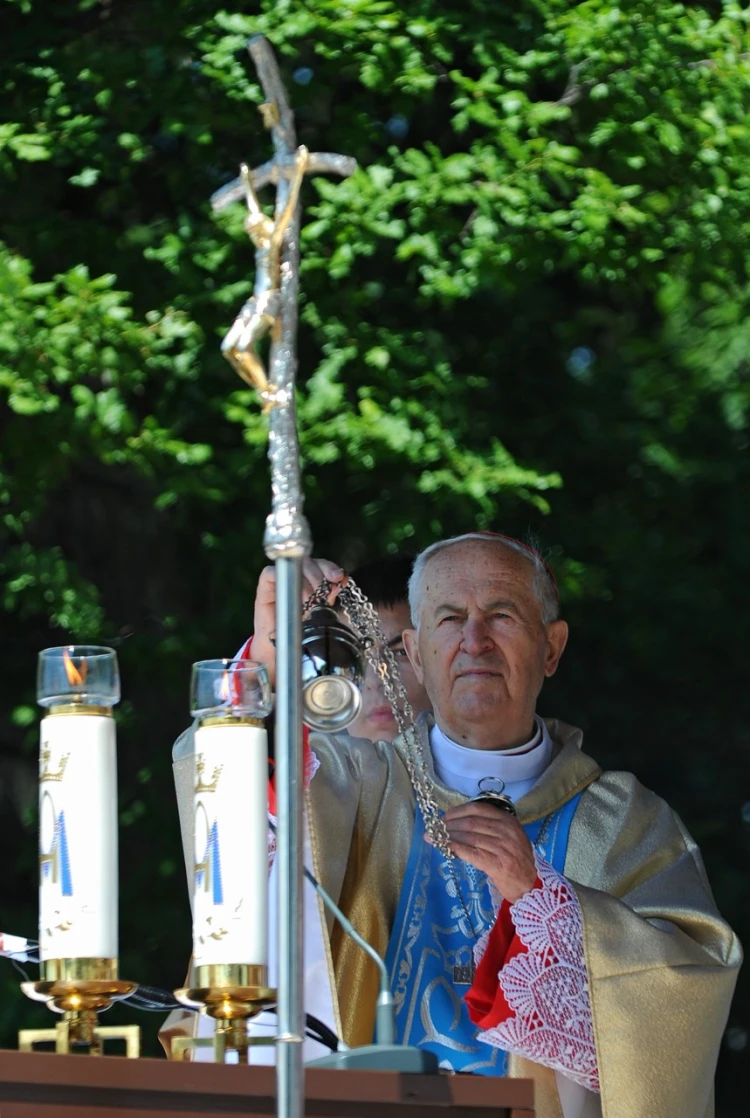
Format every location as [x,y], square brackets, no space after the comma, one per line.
[77,837]
[230,919]
[78,685]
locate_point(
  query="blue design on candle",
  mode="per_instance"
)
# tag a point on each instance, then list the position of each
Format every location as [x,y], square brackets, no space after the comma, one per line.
[208,870]
[61,841]
[218,889]
[55,862]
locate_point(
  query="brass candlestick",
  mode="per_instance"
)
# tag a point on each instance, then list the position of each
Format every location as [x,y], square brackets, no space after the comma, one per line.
[79,989]
[231,993]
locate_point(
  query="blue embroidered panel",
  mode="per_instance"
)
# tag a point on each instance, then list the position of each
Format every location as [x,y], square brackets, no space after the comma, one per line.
[431,935]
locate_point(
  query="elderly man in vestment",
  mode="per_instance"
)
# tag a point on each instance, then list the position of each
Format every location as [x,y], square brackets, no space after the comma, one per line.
[574,941]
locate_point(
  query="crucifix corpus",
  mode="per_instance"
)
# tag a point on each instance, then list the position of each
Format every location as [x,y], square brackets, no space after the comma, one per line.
[272,311]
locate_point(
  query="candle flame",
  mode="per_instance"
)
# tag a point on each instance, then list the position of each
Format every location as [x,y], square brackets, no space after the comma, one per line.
[224,688]
[76,675]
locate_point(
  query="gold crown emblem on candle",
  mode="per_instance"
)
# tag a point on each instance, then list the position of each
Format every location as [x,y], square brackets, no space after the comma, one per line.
[45,772]
[202,785]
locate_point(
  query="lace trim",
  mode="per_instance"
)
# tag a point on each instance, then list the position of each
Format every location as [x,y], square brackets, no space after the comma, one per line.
[496,898]
[547,987]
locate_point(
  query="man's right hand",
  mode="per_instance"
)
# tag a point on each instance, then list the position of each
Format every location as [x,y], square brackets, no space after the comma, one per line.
[313,573]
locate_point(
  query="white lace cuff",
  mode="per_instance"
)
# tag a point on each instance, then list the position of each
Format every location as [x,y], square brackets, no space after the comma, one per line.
[546,986]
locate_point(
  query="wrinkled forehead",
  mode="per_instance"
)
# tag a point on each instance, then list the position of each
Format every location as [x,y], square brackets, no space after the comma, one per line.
[475,570]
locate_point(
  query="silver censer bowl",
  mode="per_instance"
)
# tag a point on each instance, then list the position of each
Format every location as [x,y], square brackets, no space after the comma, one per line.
[332,672]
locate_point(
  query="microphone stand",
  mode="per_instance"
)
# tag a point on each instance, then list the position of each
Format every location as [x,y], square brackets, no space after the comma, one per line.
[273,309]
[385,1054]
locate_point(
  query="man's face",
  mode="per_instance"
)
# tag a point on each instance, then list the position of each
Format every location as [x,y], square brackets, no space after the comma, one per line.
[375,720]
[482,650]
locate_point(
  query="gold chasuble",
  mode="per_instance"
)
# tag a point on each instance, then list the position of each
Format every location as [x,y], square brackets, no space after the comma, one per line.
[661,962]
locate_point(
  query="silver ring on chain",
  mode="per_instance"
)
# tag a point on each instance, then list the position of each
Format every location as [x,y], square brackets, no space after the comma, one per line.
[497,789]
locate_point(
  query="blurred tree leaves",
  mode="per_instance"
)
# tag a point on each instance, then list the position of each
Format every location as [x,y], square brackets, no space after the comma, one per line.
[528,307]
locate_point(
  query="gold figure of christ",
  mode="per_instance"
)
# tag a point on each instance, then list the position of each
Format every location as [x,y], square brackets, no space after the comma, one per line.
[260,314]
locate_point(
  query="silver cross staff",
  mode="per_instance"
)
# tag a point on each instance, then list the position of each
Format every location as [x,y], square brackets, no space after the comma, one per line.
[273,310]
[277,274]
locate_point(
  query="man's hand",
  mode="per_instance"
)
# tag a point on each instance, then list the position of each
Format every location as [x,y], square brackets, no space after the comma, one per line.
[313,573]
[495,842]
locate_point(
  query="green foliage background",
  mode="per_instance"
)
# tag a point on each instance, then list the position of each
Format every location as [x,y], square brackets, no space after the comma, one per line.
[527,309]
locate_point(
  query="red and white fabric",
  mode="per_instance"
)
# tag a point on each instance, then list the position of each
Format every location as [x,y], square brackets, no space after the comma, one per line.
[530,992]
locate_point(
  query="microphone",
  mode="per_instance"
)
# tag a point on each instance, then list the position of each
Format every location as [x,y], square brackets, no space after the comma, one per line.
[385,1054]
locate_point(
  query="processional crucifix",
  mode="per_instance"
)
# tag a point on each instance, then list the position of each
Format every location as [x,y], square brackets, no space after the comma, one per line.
[272,311]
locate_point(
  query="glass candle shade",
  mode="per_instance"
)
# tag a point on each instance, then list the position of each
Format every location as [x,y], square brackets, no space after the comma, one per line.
[230,689]
[85,674]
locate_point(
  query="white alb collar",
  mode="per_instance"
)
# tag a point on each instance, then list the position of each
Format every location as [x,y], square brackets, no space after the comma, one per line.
[461,768]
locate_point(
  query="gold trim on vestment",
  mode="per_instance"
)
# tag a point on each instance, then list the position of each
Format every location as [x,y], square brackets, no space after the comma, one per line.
[323,913]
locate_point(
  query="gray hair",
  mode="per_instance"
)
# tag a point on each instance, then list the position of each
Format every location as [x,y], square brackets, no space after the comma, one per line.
[543,582]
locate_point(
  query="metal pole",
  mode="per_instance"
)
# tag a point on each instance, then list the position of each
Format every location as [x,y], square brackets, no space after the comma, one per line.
[286,541]
[290,1098]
